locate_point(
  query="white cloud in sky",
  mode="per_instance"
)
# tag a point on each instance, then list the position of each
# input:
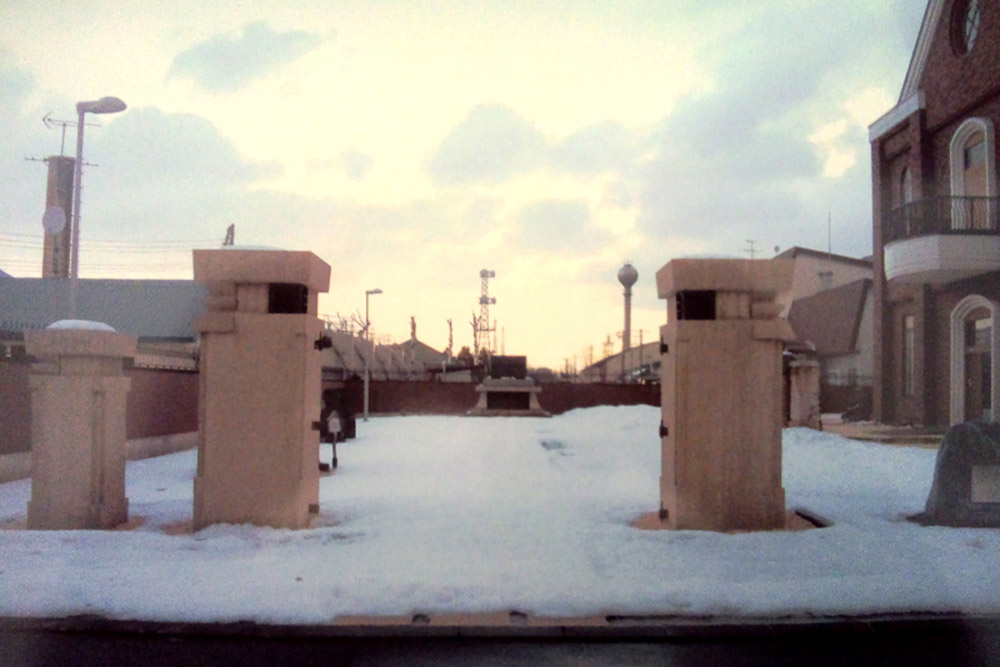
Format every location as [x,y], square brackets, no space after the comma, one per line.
[228,61]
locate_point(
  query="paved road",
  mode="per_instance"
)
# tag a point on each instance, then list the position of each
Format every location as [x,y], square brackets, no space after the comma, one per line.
[945,643]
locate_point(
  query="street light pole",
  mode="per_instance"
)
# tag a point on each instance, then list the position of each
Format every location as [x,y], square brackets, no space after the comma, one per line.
[368,348]
[103,105]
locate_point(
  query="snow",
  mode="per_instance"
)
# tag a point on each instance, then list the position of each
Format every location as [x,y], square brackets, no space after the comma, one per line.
[81,325]
[450,514]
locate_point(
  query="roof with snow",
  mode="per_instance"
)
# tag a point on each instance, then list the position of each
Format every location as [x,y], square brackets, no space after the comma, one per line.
[151,309]
[830,320]
[418,352]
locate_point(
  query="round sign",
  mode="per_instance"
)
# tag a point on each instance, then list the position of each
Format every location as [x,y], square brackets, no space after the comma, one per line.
[54,220]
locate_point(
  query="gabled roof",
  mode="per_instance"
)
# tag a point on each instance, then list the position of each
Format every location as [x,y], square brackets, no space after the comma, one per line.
[421,353]
[830,320]
[911,99]
[164,309]
[918,60]
[795,251]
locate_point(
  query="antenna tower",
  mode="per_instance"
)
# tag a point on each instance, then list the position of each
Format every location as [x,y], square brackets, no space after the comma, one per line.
[482,327]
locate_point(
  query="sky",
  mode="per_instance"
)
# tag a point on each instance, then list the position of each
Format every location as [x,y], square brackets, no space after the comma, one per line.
[411,145]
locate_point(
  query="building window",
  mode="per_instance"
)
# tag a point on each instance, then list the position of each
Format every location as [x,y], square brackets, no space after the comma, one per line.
[905,187]
[973,174]
[909,355]
[964,26]
[974,154]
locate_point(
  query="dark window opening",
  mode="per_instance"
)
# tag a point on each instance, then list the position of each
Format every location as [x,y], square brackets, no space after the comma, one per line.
[508,400]
[288,299]
[696,305]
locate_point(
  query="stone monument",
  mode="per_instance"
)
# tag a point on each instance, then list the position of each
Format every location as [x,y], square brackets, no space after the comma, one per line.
[259,400]
[508,391]
[78,391]
[722,394]
[966,487]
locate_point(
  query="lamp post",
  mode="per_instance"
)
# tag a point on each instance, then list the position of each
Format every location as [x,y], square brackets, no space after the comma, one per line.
[103,105]
[368,349]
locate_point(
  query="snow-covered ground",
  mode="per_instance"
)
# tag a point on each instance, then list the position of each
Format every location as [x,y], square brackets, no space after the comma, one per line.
[449,514]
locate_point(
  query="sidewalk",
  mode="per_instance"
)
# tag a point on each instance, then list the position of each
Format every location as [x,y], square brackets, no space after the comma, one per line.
[928,437]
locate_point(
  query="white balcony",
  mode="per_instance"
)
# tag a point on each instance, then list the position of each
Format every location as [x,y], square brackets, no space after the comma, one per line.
[941,258]
[942,239]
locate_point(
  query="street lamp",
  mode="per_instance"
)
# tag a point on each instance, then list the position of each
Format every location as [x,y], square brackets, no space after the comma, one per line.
[368,348]
[103,105]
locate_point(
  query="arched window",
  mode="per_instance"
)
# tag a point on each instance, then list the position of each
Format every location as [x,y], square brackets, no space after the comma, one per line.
[905,187]
[973,166]
[975,360]
[964,26]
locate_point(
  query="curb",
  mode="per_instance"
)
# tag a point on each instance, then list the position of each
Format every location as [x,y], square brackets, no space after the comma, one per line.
[613,629]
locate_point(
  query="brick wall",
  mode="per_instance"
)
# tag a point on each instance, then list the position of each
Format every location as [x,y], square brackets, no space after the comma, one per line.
[454,398]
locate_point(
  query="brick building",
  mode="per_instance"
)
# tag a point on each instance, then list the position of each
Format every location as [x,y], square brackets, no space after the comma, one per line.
[936,242]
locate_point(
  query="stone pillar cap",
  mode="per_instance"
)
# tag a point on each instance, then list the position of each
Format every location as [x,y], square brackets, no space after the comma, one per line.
[761,277]
[82,342]
[258,265]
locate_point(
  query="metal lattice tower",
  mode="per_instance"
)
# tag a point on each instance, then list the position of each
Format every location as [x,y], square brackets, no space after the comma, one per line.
[483,327]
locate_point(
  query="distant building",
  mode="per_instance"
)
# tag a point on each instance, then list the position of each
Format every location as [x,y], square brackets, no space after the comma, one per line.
[816,271]
[836,325]
[642,364]
[160,313]
[936,237]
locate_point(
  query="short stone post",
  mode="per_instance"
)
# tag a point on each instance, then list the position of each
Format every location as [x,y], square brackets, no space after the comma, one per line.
[722,394]
[804,409]
[78,392]
[259,401]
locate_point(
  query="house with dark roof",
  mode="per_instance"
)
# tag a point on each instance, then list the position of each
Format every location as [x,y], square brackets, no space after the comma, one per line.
[936,225]
[815,271]
[836,325]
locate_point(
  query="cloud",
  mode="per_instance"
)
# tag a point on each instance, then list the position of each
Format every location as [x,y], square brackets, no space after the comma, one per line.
[492,144]
[355,164]
[171,170]
[741,159]
[228,62]
[555,225]
[607,146]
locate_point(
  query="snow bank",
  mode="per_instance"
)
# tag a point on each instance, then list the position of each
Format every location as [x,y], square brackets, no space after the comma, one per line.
[83,325]
[452,514]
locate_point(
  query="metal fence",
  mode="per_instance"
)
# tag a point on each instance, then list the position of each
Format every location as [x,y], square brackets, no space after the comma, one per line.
[944,215]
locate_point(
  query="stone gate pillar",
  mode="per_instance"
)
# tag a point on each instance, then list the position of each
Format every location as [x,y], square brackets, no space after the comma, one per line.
[78,391]
[259,397]
[722,391]
[804,408]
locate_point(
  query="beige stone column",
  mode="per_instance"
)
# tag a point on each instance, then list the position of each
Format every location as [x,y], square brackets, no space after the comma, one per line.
[259,401]
[722,394]
[78,393]
[804,409]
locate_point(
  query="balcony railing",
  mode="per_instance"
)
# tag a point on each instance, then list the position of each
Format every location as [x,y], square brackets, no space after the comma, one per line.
[944,215]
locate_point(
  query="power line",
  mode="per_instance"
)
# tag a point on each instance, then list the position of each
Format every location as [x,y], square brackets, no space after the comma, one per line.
[119,242]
